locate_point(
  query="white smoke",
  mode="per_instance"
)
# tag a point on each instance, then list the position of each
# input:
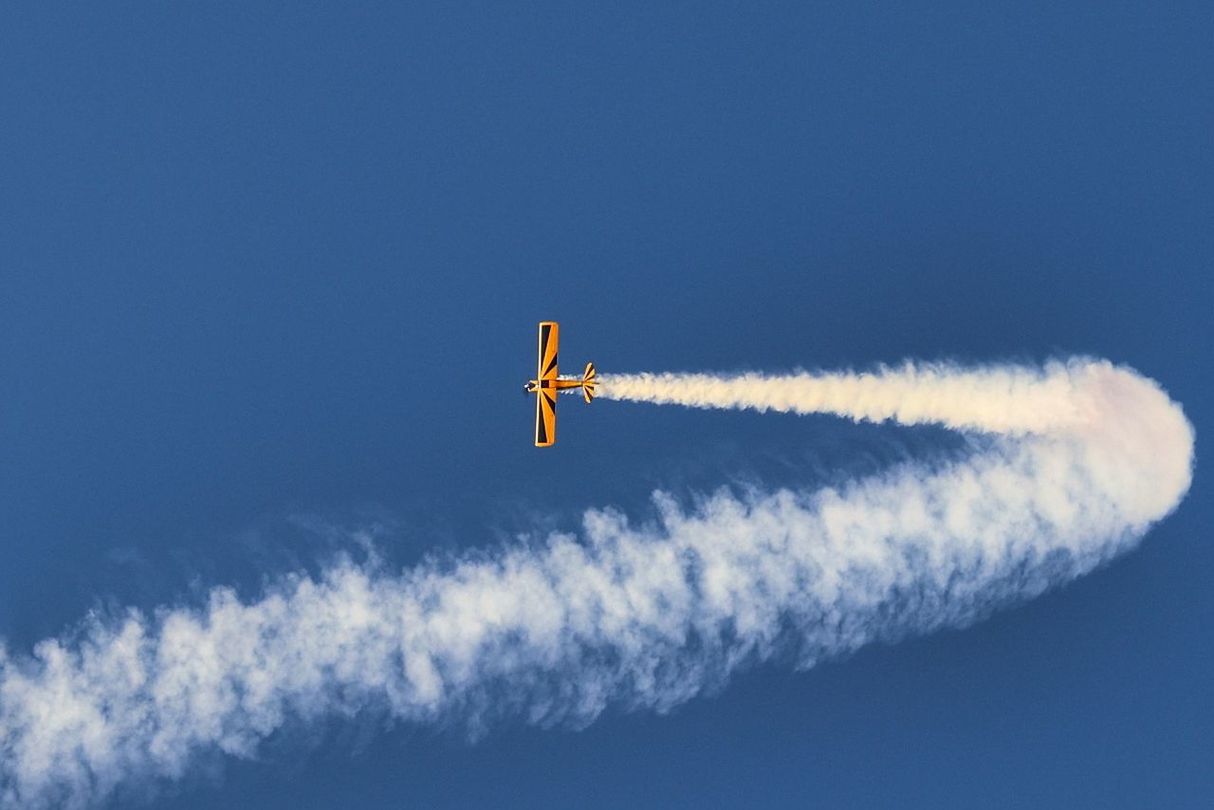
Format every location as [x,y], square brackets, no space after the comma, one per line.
[1081,458]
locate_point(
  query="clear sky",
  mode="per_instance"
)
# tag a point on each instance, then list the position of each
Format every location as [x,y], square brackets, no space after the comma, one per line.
[266,268]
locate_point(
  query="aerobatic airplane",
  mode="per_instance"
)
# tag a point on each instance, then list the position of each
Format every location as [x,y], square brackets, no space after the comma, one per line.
[548,383]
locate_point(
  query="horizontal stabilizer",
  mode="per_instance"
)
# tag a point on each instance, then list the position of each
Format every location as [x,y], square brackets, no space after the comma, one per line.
[588,382]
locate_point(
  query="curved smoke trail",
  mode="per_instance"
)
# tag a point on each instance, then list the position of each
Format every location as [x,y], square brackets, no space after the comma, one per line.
[1082,457]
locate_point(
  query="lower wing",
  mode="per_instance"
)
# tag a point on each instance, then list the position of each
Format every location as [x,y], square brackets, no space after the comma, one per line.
[545,417]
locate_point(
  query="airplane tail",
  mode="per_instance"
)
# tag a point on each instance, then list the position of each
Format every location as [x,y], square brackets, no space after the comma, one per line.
[588,382]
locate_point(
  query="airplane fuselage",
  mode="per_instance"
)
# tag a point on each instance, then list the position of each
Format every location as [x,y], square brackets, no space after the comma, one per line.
[533,386]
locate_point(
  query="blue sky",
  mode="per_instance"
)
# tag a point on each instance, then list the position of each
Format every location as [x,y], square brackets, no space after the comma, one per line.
[276,266]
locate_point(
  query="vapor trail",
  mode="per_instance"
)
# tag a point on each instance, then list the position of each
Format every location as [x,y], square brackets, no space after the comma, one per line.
[1081,458]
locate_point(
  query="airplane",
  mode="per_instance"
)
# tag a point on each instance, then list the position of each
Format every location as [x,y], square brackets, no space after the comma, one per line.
[548,383]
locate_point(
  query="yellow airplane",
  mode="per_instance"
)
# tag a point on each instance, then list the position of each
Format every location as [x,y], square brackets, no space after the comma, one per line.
[547,383]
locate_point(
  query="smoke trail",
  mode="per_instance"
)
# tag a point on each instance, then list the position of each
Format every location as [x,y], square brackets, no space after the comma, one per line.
[1010,399]
[1083,457]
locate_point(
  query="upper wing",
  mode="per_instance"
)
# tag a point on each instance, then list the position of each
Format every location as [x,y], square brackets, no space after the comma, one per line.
[545,393]
[550,332]
[545,417]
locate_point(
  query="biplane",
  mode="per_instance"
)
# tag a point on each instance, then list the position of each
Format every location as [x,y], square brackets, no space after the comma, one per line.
[548,383]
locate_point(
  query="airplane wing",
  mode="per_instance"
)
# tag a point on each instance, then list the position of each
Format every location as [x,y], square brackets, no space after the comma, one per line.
[545,417]
[545,394]
[550,333]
